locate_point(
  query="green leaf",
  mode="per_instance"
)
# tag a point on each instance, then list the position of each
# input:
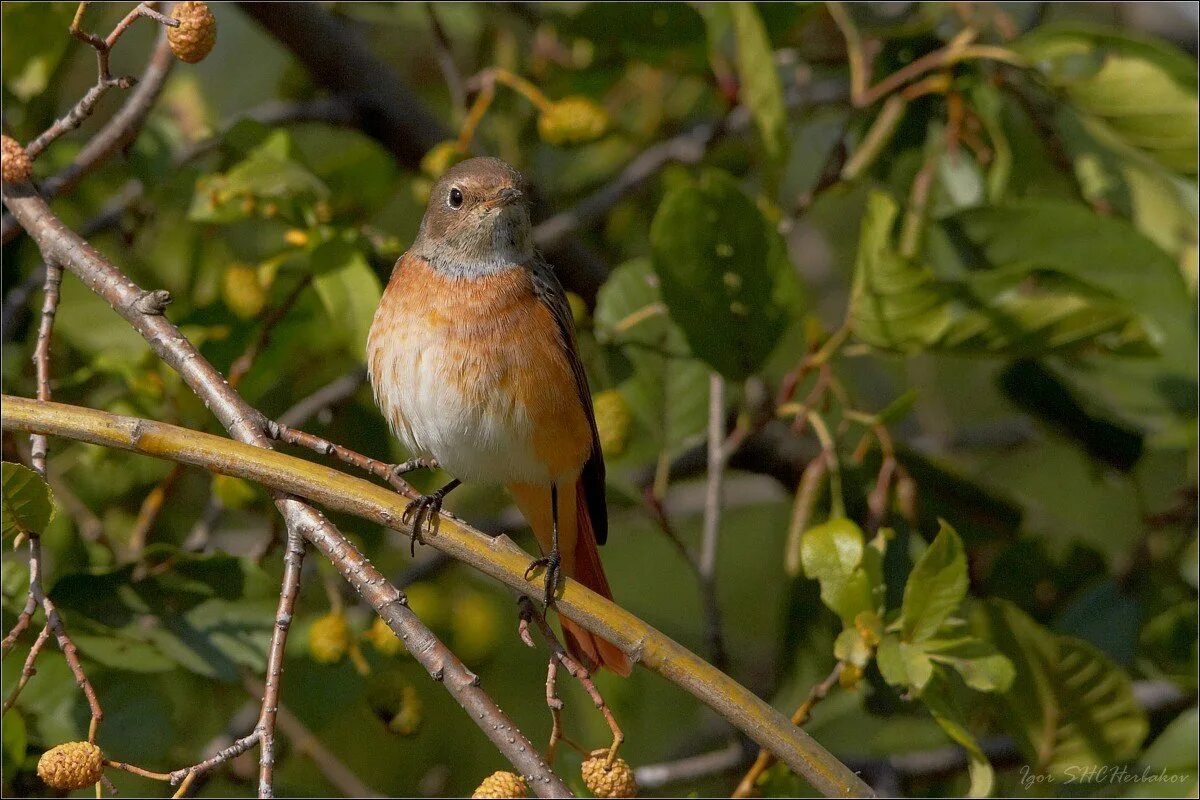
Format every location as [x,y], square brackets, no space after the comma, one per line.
[1023,309]
[725,273]
[948,713]
[849,646]
[28,501]
[1144,91]
[981,666]
[891,661]
[668,390]
[1069,706]
[903,664]
[122,649]
[270,171]
[350,291]
[35,40]
[832,551]
[759,81]
[14,740]
[834,554]
[1172,754]
[936,587]
[1149,394]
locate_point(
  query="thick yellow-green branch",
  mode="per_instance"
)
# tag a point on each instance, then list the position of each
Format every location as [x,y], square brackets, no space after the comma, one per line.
[498,557]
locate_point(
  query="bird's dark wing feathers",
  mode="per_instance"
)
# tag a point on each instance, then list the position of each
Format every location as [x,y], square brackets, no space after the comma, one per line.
[550,292]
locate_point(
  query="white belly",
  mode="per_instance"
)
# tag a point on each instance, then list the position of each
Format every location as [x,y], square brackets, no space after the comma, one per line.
[450,404]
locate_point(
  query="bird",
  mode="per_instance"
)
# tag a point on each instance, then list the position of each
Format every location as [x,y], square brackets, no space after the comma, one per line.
[473,360]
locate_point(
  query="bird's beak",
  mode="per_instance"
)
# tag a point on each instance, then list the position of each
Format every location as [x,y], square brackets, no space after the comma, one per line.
[509,195]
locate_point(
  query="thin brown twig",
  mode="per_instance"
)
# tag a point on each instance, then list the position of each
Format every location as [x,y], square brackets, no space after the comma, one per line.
[104,81]
[718,457]
[28,671]
[806,497]
[691,768]
[389,473]
[245,361]
[148,513]
[445,59]
[293,564]
[960,48]
[765,759]
[41,357]
[38,447]
[112,138]
[559,656]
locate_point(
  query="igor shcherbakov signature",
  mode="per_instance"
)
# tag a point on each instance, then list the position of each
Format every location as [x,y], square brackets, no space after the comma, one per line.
[1101,774]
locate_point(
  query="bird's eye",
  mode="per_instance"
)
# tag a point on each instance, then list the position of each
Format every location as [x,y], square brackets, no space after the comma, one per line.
[456,198]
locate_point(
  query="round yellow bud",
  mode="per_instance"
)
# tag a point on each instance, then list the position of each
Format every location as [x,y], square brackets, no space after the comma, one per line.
[614,781]
[17,167]
[427,602]
[613,421]
[850,676]
[71,766]
[476,625]
[573,120]
[502,784]
[408,719]
[329,638]
[196,33]
[383,638]
[243,291]
[441,157]
[296,237]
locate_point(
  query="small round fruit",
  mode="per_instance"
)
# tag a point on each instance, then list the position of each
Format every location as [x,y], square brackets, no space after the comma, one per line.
[196,33]
[71,766]
[614,781]
[502,784]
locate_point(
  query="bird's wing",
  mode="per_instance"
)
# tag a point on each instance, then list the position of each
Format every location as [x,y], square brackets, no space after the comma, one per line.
[550,292]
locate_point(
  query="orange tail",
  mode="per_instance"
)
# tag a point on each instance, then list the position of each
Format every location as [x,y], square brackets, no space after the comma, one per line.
[581,561]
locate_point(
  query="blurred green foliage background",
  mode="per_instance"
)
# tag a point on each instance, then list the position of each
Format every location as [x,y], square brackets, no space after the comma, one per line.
[1009,249]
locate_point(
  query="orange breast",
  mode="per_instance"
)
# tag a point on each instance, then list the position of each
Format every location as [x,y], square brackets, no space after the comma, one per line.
[495,349]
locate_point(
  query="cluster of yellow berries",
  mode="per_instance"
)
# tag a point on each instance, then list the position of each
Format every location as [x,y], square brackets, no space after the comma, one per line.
[193,38]
[613,421]
[602,780]
[243,290]
[329,638]
[572,120]
[71,766]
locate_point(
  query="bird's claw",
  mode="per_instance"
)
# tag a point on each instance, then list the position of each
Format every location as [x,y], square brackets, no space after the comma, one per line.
[552,563]
[422,512]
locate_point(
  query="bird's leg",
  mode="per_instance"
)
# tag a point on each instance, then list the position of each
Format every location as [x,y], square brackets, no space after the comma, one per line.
[424,511]
[553,560]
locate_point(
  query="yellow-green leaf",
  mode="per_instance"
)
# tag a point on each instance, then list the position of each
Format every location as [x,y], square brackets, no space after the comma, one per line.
[28,502]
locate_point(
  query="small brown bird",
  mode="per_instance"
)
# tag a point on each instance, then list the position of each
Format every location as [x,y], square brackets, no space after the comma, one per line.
[473,361]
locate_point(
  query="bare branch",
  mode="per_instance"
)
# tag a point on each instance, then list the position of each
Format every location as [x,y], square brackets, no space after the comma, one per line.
[118,132]
[445,59]
[765,759]
[329,395]
[717,459]
[691,768]
[497,557]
